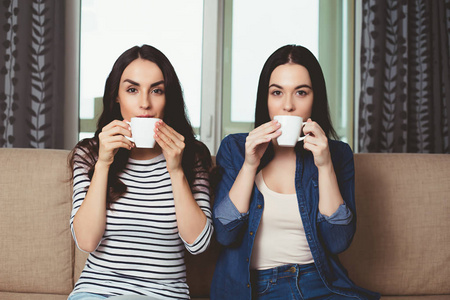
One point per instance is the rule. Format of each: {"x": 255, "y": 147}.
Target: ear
{"x": 117, "y": 100}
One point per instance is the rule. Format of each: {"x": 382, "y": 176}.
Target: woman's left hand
{"x": 172, "y": 145}
{"x": 317, "y": 143}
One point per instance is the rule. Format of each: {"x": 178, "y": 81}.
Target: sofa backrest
{"x": 36, "y": 247}
{"x": 402, "y": 241}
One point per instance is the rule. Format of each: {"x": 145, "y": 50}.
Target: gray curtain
{"x": 404, "y": 104}
{"x": 31, "y": 73}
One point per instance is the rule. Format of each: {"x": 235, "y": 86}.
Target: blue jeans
{"x": 86, "y": 296}
{"x": 90, "y": 296}
{"x": 296, "y": 282}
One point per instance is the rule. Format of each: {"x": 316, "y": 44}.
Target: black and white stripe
{"x": 141, "y": 251}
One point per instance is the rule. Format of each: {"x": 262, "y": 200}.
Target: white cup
{"x": 142, "y": 131}
{"x": 291, "y": 129}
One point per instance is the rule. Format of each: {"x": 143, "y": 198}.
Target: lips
{"x": 145, "y": 116}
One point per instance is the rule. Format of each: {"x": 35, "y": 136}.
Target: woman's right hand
{"x": 258, "y": 140}
{"x": 111, "y": 139}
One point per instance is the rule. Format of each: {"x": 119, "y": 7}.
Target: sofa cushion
{"x": 80, "y": 262}
{"x": 401, "y": 246}
{"x": 200, "y": 270}
{"x": 31, "y": 296}
{"x": 36, "y": 244}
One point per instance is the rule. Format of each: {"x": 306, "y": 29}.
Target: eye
{"x": 132, "y": 90}
{"x": 276, "y": 93}
{"x": 158, "y": 91}
{"x": 302, "y": 93}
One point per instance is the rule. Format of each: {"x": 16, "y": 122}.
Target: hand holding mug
{"x": 291, "y": 129}
{"x": 258, "y": 140}
{"x": 172, "y": 145}
{"x": 111, "y": 139}
{"x": 142, "y": 132}
{"x": 317, "y": 143}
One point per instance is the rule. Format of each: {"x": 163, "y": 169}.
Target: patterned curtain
{"x": 405, "y": 76}
{"x": 31, "y": 73}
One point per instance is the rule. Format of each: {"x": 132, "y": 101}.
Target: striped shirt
{"x": 141, "y": 252}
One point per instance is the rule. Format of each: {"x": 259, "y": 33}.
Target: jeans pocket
{"x": 262, "y": 287}
{"x": 311, "y": 286}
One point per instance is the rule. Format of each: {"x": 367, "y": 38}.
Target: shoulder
{"x": 86, "y": 144}
{"x": 232, "y": 148}
{"x": 339, "y": 148}
{"x": 85, "y": 150}
{"x": 200, "y": 149}
{"x": 234, "y": 141}
{"x": 341, "y": 153}
{"x": 202, "y": 155}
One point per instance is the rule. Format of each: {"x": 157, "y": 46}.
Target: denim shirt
{"x": 326, "y": 236}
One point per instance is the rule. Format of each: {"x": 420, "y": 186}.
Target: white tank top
{"x": 280, "y": 238}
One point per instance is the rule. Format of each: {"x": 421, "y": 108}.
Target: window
{"x": 218, "y": 48}
{"x": 336, "y": 57}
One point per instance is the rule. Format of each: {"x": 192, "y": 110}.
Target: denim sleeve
{"x": 342, "y": 216}
{"x": 228, "y": 222}
{"x": 338, "y": 231}
{"x": 228, "y": 214}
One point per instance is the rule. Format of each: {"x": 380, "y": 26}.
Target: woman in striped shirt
{"x": 136, "y": 210}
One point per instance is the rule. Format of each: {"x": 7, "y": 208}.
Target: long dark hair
{"x": 195, "y": 152}
{"x": 320, "y": 111}
{"x": 302, "y": 56}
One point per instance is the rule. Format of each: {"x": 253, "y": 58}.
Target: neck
{"x": 286, "y": 152}
{"x": 145, "y": 153}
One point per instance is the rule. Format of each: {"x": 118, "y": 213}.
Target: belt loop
{"x": 297, "y": 267}
{"x": 275, "y": 275}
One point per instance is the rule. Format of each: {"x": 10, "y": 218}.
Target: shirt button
{"x": 259, "y": 206}
{"x": 309, "y": 237}
{"x": 248, "y": 285}
{"x": 251, "y": 232}
{"x": 246, "y": 259}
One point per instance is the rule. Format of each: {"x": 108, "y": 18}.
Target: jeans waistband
{"x": 290, "y": 270}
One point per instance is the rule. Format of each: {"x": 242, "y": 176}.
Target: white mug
{"x": 142, "y": 131}
{"x": 291, "y": 129}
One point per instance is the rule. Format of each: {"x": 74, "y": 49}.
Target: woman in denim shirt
{"x": 284, "y": 213}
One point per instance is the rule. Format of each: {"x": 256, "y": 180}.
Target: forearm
{"x": 90, "y": 220}
{"x": 191, "y": 219}
{"x": 330, "y": 197}
{"x": 241, "y": 191}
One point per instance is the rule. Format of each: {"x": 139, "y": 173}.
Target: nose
{"x": 145, "y": 102}
{"x": 288, "y": 104}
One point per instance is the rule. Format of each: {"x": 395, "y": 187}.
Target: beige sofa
{"x": 401, "y": 248}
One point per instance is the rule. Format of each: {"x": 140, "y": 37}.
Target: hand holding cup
{"x": 142, "y": 132}
{"x": 291, "y": 130}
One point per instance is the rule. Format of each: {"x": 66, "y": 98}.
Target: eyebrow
{"x": 297, "y": 87}
{"x": 137, "y": 84}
